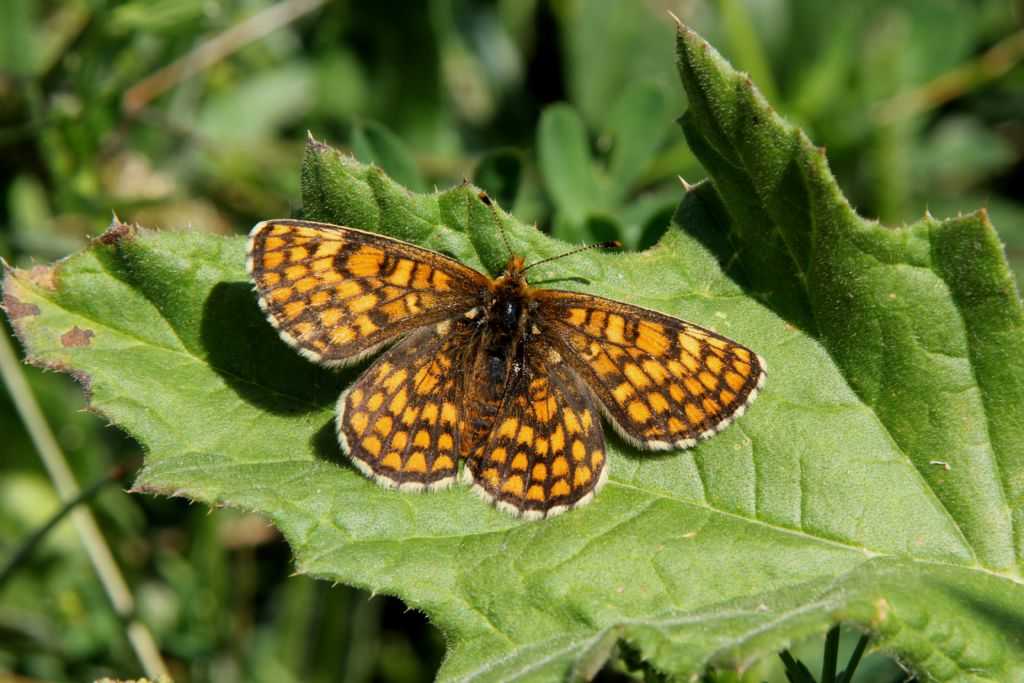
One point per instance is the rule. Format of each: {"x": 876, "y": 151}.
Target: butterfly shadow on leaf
{"x": 243, "y": 348}
{"x": 324, "y": 444}
{"x": 761, "y": 264}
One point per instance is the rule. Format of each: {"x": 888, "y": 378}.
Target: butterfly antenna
{"x": 494, "y": 211}
{"x": 611, "y": 244}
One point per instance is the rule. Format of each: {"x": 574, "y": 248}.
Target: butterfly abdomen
{"x": 501, "y": 329}
{"x": 485, "y": 386}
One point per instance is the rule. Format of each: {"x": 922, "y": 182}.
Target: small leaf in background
{"x": 566, "y": 164}
{"x": 500, "y": 173}
{"x": 341, "y": 86}
{"x": 636, "y": 125}
{"x": 374, "y": 144}
{"x": 248, "y": 112}
{"x": 960, "y": 151}
{"x": 608, "y": 46}
{"x": 156, "y": 15}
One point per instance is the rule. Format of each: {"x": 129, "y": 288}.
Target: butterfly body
{"x": 509, "y": 378}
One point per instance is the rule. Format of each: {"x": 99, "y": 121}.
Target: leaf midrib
{"x": 869, "y": 553}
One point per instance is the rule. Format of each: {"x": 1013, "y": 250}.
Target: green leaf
{"x": 563, "y": 154}
{"x": 888, "y": 351}
{"x": 249, "y": 112}
{"x": 373, "y": 143}
{"x": 636, "y": 125}
{"x": 17, "y": 54}
{"x": 608, "y": 45}
{"x": 500, "y": 174}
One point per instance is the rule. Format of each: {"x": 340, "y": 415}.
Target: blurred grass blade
{"x": 851, "y": 667}
{"x": 96, "y": 547}
{"x": 796, "y": 671}
{"x": 26, "y": 547}
{"x": 830, "y": 660}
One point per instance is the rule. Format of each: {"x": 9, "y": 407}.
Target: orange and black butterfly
{"x": 505, "y": 376}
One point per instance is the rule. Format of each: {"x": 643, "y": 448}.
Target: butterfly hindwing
{"x": 545, "y": 453}
{"x": 337, "y": 293}
{"x": 663, "y": 382}
{"x": 399, "y": 422}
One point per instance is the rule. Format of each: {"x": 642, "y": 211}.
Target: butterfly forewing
{"x": 663, "y": 382}
{"x": 338, "y": 293}
{"x": 545, "y": 453}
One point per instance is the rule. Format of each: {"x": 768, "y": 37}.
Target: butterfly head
{"x": 516, "y": 266}
{"x": 514, "y": 271}
{"x": 512, "y": 281}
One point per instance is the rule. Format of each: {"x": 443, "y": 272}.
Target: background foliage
{"x": 919, "y": 105}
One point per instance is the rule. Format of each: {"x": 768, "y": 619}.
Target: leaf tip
{"x": 315, "y": 146}
{"x": 116, "y": 232}
{"x": 689, "y": 41}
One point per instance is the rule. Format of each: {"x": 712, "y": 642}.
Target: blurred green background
{"x": 178, "y": 113}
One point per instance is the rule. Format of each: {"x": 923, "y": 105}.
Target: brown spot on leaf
{"x": 17, "y": 308}
{"x": 76, "y": 338}
{"x": 40, "y": 276}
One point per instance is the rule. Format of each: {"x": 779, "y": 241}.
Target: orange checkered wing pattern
{"x": 545, "y": 452}
{"x": 399, "y": 422}
{"x": 336, "y": 294}
{"x": 663, "y": 383}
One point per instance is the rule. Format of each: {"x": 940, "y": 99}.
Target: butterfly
{"x": 509, "y": 378}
